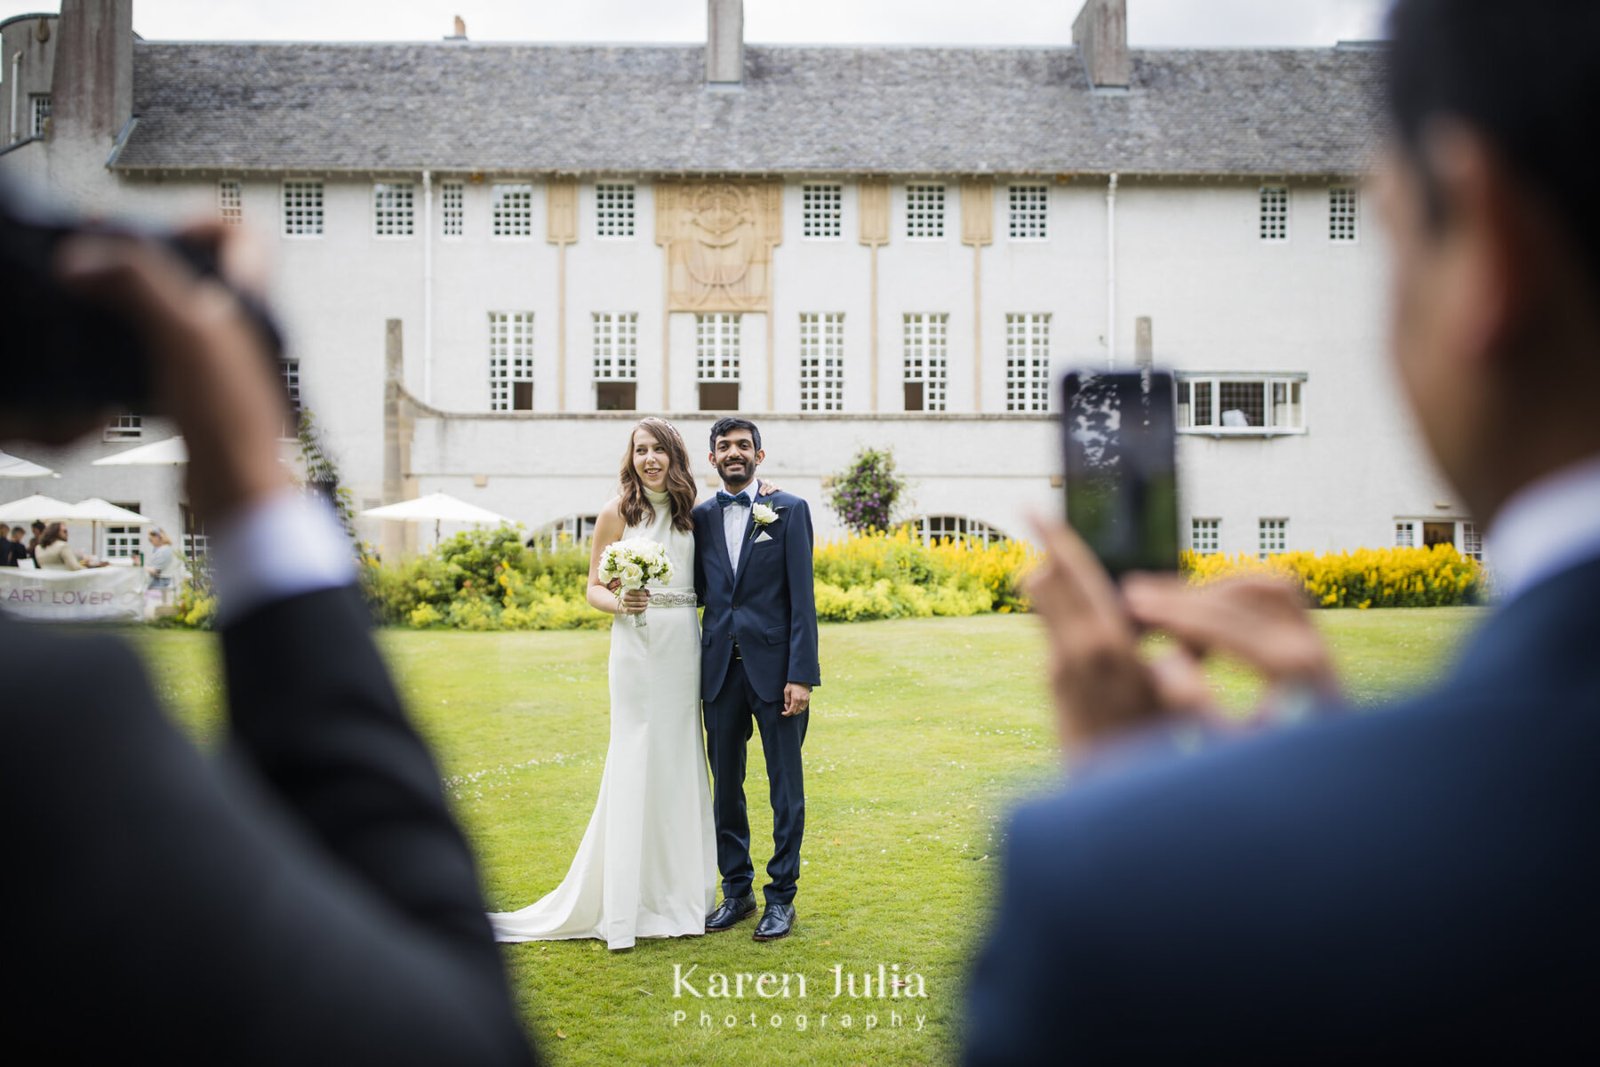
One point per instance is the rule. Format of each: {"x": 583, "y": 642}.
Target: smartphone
{"x": 1119, "y": 436}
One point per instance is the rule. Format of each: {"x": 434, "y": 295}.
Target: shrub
{"x": 878, "y": 575}
{"x": 864, "y": 494}
{"x": 1438, "y": 576}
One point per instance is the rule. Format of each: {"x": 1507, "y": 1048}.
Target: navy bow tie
{"x": 741, "y": 498}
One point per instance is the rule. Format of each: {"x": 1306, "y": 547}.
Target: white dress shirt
{"x": 1545, "y": 528}
{"x": 734, "y": 519}
{"x": 286, "y": 545}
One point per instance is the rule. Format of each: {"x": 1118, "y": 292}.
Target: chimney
{"x": 724, "y": 42}
{"x": 1101, "y": 35}
{"x": 91, "y": 94}
{"x": 461, "y": 30}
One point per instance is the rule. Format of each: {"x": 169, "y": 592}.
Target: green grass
{"x": 923, "y": 734}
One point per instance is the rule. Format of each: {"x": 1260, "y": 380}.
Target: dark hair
{"x": 1520, "y": 75}
{"x": 724, "y": 426}
{"x": 54, "y": 532}
{"x": 636, "y": 507}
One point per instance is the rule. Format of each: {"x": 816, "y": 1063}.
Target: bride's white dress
{"x": 647, "y": 866}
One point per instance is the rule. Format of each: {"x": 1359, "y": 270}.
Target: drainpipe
{"x": 1111, "y": 273}
{"x": 16, "y": 75}
{"x": 427, "y": 287}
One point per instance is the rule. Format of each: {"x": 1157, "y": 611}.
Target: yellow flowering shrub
{"x": 894, "y": 575}
{"x": 1437, "y": 576}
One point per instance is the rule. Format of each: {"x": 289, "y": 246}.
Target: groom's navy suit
{"x": 758, "y": 633}
{"x": 1384, "y": 886}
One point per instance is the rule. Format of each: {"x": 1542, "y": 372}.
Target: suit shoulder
{"x": 789, "y": 500}
{"x": 704, "y": 508}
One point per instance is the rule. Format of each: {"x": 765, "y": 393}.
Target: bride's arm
{"x": 607, "y": 531}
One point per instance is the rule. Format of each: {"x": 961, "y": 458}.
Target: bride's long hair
{"x": 636, "y": 509}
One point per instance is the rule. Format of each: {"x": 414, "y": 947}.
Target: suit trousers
{"x": 728, "y": 719}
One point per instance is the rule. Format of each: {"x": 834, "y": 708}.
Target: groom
{"x": 758, "y": 661}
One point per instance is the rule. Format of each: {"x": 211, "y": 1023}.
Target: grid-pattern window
{"x": 1405, "y": 534}
{"x": 1272, "y": 537}
{"x": 956, "y": 528}
{"x": 1274, "y": 213}
{"x": 302, "y": 209}
{"x": 230, "y": 202}
{"x": 822, "y": 361}
{"x": 1205, "y": 536}
{"x": 613, "y": 209}
{"x": 510, "y": 361}
{"x": 39, "y": 111}
{"x": 924, "y": 210}
{"x": 1471, "y": 541}
{"x": 122, "y": 542}
{"x": 716, "y": 346}
{"x": 1342, "y": 213}
{"x": 1030, "y": 212}
{"x": 616, "y": 346}
{"x": 394, "y": 209}
{"x": 289, "y": 373}
{"x": 513, "y": 210}
{"x": 125, "y": 427}
{"x": 453, "y": 208}
{"x": 926, "y": 360}
{"x": 822, "y": 209}
{"x": 1241, "y": 404}
{"x": 1028, "y": 362}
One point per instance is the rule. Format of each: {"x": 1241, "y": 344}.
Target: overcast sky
{"x": 1151, "y": 23}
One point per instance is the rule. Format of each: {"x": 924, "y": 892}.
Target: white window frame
{"x": 925, "y": 347}
{"x": 961, "y": 528}
{"x": 230, "y": 201}
{"x": 1466, "y": 537}
{"x": 452, "y": 210}
{"x": 822, "y": 361}
{"x": 303, "y": 204}
{"x": 123, "y": 541}
{"x": 616, "y": 211}
{"x": 394, "y": 211}
{"x": 1025, "y": 222}
{"x": 1028, "y": 361}
{"x": 1205, "y": 535}
{"x": 1272, "y": 224}
{"x": 1290, "y": 383}
{"x": 616, "y": 346}
{"x": 38, "y": 113}
{"x": 125, "y": 426}
{"x": 1272, "y": 537}
{"x": 510, "y": 356}
{"x": 289, "y": 374}
{"x": 1344, "y": 220}
{"x": 518, "y": 222}
{"x": 717, "y": 346}
{"x": 923, "y": 222}
{"x": 822, "y": 211}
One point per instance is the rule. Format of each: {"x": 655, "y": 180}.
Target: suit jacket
{"x": 304, "y": 898}
{"x": 1376, "y": 887}
{"x": 769, "y": 607}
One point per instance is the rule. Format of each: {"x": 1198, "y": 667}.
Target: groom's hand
{"x": 796, "y": 698}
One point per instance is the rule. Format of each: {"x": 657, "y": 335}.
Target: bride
{"x": 647, "y": 866}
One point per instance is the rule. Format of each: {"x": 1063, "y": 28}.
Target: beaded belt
{"x": 672, "y": 598}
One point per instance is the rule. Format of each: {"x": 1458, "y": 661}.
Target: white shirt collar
{"x": 1545, "y": 528}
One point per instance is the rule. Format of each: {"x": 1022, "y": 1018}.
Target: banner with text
{"x": 104, "y": 594}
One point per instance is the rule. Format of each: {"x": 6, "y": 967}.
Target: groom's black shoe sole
{"x": 731, "y": 912}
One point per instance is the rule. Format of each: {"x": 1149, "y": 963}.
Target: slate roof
{"x": 455, "y": 106}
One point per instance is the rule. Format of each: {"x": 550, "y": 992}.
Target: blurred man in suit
{"x": 306, "y": 898}
{"x": 1419, "y": 880}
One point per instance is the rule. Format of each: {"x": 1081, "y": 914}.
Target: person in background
{"x": 33, "y": 542}
{"x": 12, "y": 550}
{"x": 54, "y": 554}
{"x": 164, "y": 566}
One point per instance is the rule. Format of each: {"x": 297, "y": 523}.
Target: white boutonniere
{"x": 762, "y": 515}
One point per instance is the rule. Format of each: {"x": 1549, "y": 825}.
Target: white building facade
{"x": 493, "y": 258}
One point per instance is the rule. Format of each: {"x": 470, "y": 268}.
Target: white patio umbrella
{"x": 95, "y": 511}
{"x": 440, "y": 507}
{"x": 17, "y": 467}
{"x": 43, "y": 508}
{"x": 169, "y": 453}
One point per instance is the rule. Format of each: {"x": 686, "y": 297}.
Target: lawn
{"x": 922, "y": 735}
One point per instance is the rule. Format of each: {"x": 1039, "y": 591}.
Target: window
{"x": 40, "y": 112}
{"x": 1405, "y": 534}
{"x": 513, "y": 210}
{"x": 822, "y": 213}
{"x": 822, "y": 361}
{"x": 1030, "y": 212}
{"x": 1241, "y": 404}
{"x": 510, "y": 361}
{"x": 1341, "y": 213}
{"x": 1028, "y": 362}
{"x": 393, "y": 209}
{"x": 1471, "y": 541}
{"x": 1205, "y": 536}
{"x": 1274, "y": 213}
{"x": 925, "y": 361}
{"x": 289, "y": 372}
{"x": 123, "y": 542}
{"x": 1273, "y": 537}
{"x": 925, "y": 211}
{"x": 1425, "y": 533}
{"x": 125, "y": 427}
{"x": 302, "y": 209}
{"x": 195, "y": 541}
{"x": 452, "y": 202}
{"x": 572, "y": 530}
{"x": 230, "y": 202}
{"x": 616, "y": 360}
{"x": 613, "y": 209}
{"x": 956, "y": 528}
{"x": 716, "y": 343}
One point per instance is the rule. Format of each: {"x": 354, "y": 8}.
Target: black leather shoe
{"x": 775, "y": 922}
{"x": 730, "y": 911}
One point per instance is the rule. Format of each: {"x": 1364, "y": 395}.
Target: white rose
{"x": 763, "y": 515}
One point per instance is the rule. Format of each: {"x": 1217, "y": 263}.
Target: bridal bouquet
{"x": 634, "y": 562}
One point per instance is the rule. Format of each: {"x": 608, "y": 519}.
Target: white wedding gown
{"x": 647, "y": 866}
